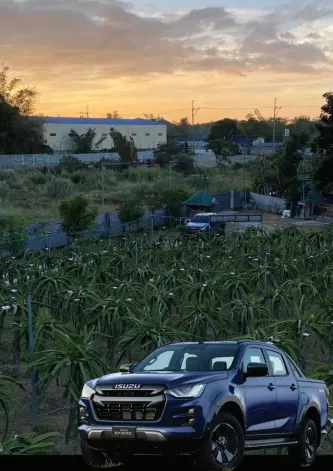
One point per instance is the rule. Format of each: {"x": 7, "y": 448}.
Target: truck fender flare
{"x": 217, "y": 405}
{"x": 305, "y": 409}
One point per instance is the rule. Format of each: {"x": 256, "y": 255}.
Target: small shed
{"x": 200, "y": 202}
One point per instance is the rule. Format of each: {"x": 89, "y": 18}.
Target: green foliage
{"x": 29, "y": 444}
{"x": 4, "y": 190}
{"x": 23, "y": 99}
{"x": 225, "y": 129}
{"x": 130, "y": 211}
{"x": 6, "y": 399}
{"x": 71, "y": 163}
{"x": 76, "y": 214}
{"x": 323, "y": 145}
{"x": 166, "y": 153}
{"x": 57, "y": 187}
{"x": 13, "y": 236}
{"x": 124, "y": 146}
{"x": 19, "y": 134}
{"x": 84, "y": 143}
{"x": 172, "y": 199}
{"x": 222, "y": 149}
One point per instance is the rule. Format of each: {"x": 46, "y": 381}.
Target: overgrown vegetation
{"x": 35, "y": 194}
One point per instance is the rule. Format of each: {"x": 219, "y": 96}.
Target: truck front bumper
{"x": 152, "y": 440}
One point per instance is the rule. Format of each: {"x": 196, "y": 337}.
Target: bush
{"x": 130, "y": 211}
{"x": 70, "y": 163}
{"x": 13, "y": 236}
{"x": 58, "y": 187}
{"x": 76, "y": 214}
{"x": 38, "y": 179}
{"x": 172, "y": 200}
{"x": 77, "y": 178}
{"x": 4, "y": 190}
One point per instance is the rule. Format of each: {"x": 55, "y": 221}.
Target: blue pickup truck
{"x": 210, "y": 400}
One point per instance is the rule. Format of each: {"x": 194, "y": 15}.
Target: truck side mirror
{"x": 126, "y": 368}
{"x": 254, "y": 370}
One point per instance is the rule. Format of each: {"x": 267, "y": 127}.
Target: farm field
{"x": 34, "y": 194}
{"x": 98, "y": 305}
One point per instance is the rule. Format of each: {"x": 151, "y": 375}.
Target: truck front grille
{"x": 113, "y": 404}
{"x": 128, "y": 411}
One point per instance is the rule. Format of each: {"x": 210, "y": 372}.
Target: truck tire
{"x": 224, "y": 447}
{"x": 304, "y": 453}
{"x": 93, "y": 458}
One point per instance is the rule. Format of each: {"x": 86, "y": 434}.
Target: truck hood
{"x": 197, "y": 225}
{"x": 170, "y": 380}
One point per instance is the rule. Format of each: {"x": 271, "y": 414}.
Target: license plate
{"x": 123, "y": 432}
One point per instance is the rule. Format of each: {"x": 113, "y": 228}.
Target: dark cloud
{"x": 108, "y": 39}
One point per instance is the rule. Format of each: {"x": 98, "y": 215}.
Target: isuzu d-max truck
{"x": 210, "y": 400}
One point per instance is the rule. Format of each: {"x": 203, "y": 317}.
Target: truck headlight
{"x": 187, "y": 391}
{"x": 87, "y": 392}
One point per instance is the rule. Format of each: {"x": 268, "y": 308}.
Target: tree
{"x": 18, "y": 133}
{"x": 24, "y": 98}
{"x": 152, "y": 117}
{"x": 165, "y": 153}
{"x": 184, "y": 128}
{"x": 222, "y": 149}
{"x": 323, "y": 146}
{"x": 130, "y": 211}
{"x": 76, "y": 214}
{"x": 287, "y": 165}
{"x": 84, "y": 143}
{"x": 124, "y": 146}
{"x": 113, "y": 115}
{"x": 225, "y": 129}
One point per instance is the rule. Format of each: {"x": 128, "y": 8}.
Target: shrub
{"x": 77, "y": 178}
{"x": 76, "y": 214}
{"x": 130, "y": 211}
{"x": 4, "y": 190}
{"x": 38, "y": 179}
{"x": 172, "y": 200}
{"x": 70, "y": 163}
{"x": 58, "y": 187}
{"x": 13, "y": 237}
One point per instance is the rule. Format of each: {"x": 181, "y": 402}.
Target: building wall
{"x": 144, "y": 136}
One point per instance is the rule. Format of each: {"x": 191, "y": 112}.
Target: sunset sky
{"x": 231, "y": 56}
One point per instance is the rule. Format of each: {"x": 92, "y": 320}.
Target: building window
{"x": 147, "y": 133}
{"x": 160, "y": 134}
{"x": 53, "y": 134}
{"x": 133, "y": 133}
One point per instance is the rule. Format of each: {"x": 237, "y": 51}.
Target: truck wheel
{"x": 224, "y": 447}
{"x": 304, "y": 453}
{"x": 94, "y": 458}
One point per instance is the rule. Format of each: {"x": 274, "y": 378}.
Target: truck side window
{"x": 253, "y": 355}
{"x": 277, "y": 362}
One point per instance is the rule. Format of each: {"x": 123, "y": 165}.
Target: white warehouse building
{"x": 146, "y": 134}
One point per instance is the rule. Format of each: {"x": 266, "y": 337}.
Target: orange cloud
{"x": 102, "y": 53}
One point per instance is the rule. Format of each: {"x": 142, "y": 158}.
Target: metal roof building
{"x": 146, "y": 134}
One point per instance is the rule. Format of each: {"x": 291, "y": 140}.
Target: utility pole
{"x": 276, "y": 110}
{"x": 194, "y": 112}
{"x": 86, "y": 113}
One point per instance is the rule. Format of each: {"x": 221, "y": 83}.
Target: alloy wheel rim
{"x": 224, "y": 443}
{"x": 310, "y": 443}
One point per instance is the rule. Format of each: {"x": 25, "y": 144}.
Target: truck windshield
{"x": 200, "y": 219}
{"x": 189, "y": 357}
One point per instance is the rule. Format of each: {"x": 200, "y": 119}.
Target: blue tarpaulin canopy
{"x": 199, "y": 199}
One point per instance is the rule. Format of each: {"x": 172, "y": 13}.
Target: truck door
{"x": 260, "y": 397}
{"x": 287, "y": 392}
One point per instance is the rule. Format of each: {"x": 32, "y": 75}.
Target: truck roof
{"x": 229, "y": 342}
